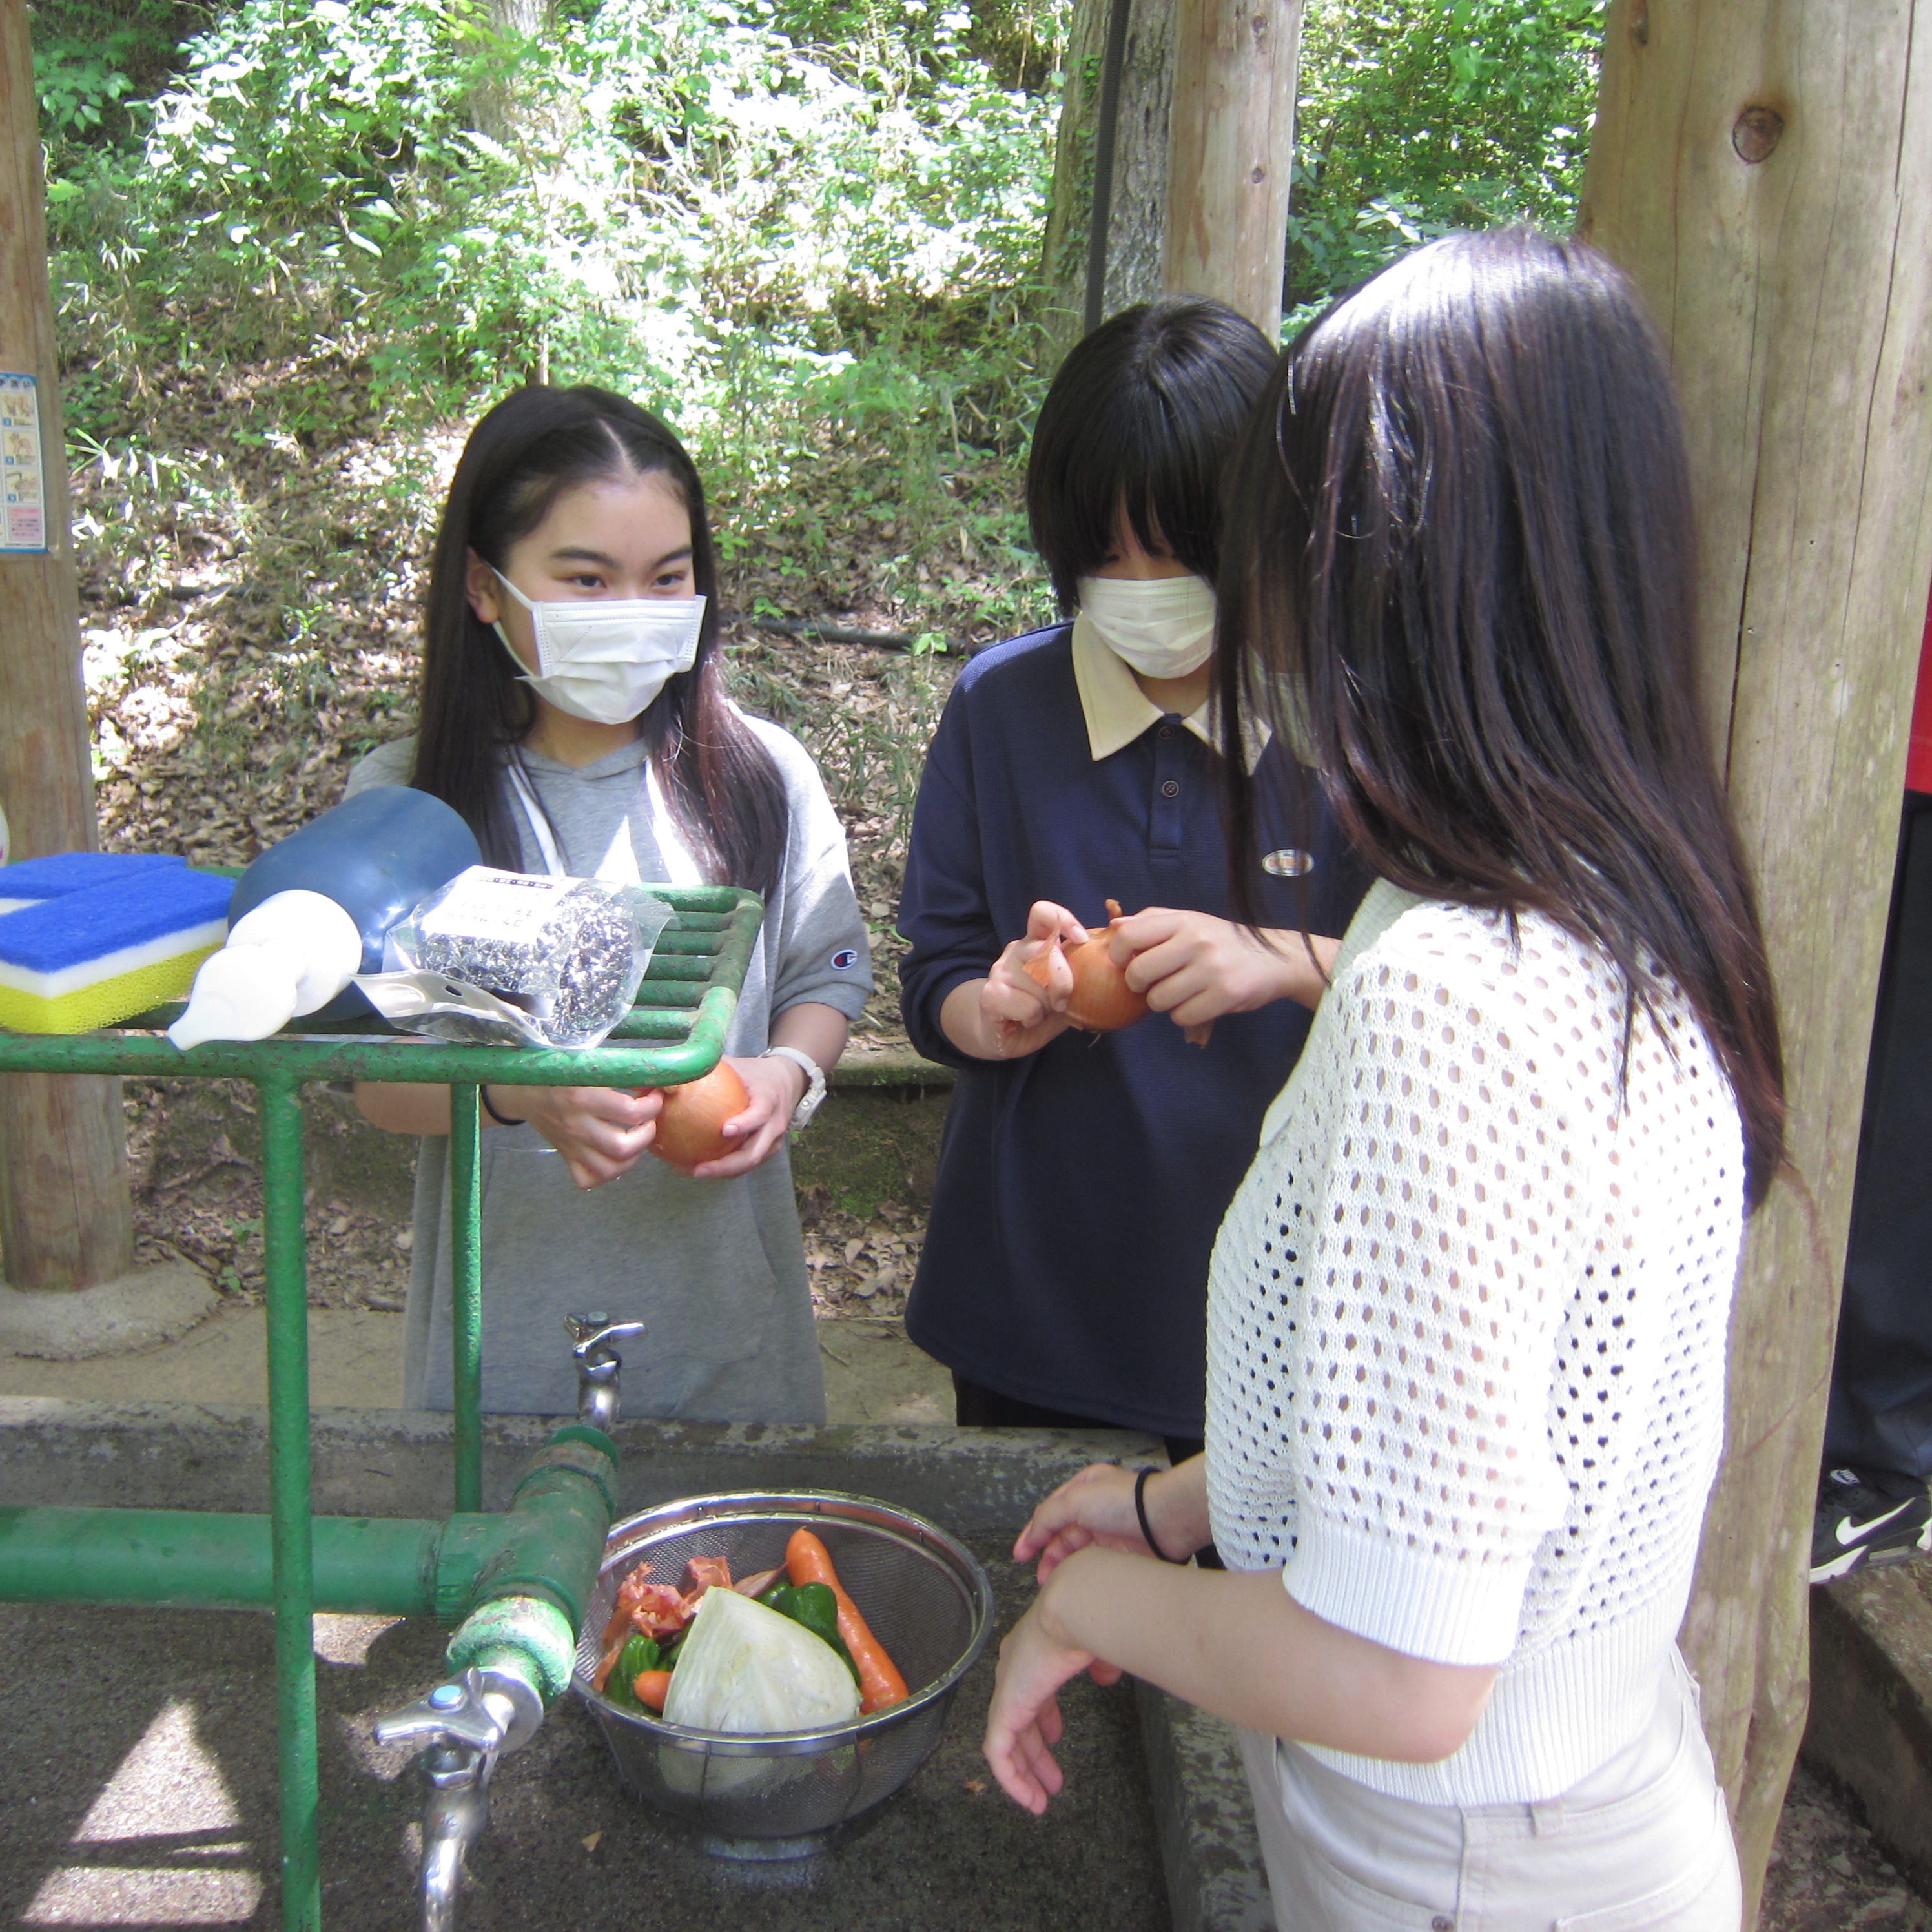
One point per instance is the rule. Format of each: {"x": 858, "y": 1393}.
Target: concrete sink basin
{"x": 137, "y": 1786}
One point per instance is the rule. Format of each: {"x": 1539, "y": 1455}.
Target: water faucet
{"x": 465, "y": 1725}
{"x": 592, "y": 1339}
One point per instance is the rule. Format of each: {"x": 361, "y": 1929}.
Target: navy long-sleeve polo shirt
{"x": 1080, "y": 1188}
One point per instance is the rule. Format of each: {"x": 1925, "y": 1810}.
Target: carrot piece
{"x": 652, "y": 1687}
{"x": 807, "y": 1561}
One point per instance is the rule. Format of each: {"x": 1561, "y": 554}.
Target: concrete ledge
{"x": 1210, "y": 1851}
{"x": 891, "y": 1066}
{"x": 151, "y": 1305}
{"x": 398, "y": 1462}
{"x": 1870, "y": 1722}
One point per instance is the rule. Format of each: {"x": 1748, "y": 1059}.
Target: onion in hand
{"x": 689, "y": 1130}
{"x": 1102, "y": 1000}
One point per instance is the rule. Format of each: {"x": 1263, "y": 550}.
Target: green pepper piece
{"x": 639, "y": 1653}
{"x": 813, "y": 1605}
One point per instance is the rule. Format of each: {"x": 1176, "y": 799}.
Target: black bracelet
{"x": 501, "y": 1120}
{"x": 1140, "y": 1509}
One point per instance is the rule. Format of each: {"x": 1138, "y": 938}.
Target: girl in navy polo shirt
{"x": 1083, "y": 1176}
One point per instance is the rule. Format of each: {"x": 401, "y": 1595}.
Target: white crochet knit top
{"x": 1466, "y": 1331}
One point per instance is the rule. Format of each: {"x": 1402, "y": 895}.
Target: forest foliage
{"x": 297, "y": 243}
{"x": 781, "y": 215}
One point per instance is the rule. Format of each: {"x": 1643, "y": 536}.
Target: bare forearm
{"x": 1306, "y": 961}
{"x": 964, "y": 1022}
{"x": 1239, "y": 1645}
{"x": 401, "y": 1107}
{"x": 814, "y": 1029}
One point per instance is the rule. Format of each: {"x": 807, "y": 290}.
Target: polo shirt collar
{"x": 1118, "y": 711}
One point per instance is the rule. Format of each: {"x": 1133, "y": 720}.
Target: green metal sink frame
{"x": 537, "y": 1551}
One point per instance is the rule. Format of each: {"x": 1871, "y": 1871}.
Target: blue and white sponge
{"x": 33, "y": 881}
{"x": 74, "y": 960}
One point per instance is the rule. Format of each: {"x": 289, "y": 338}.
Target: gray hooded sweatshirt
{"x": 715, "y": 1269}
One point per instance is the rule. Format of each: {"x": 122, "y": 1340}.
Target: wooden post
{"x": 1763, "y": 168}
{"x": 65, "y": 1219}
{"x": 1231, "y": 144}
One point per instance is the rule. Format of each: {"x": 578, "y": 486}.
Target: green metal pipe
{"x": 547, "y": 1545}
{"x": 466, "y": 1275}
{"x": 692, "y": 1046}
{"x": 287, "y": 1286}
{"x": 205, "y": 1559}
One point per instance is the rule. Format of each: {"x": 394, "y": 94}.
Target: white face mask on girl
{"x": 605, "y": 659}
{"x": 1160, "y": 626}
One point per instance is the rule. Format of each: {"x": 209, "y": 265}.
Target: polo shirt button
{"x": 1442, "y": 1922}
{"x": 1167, "y": 731}
{"x": 1171, "y": 789}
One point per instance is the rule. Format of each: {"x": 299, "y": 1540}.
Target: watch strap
{"x": 814, "y": 1081}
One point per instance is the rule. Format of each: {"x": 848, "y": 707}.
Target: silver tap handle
{"x": 456, "y": 1722}
{"x": 593, "y": 1337}
{"x": 488, "y": 1711}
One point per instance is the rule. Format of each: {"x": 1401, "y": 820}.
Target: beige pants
{"x": 1642, "y": 1845}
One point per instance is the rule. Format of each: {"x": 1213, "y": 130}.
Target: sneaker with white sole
{"x": 1863, "y": 1521}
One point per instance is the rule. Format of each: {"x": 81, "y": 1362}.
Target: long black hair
{"x": 1141, "y": 418}
{"x": 1461, "y": 556}
{"x": 720, "y": 783}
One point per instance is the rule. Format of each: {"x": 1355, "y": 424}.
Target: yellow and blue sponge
{"x": 75, "y": 956}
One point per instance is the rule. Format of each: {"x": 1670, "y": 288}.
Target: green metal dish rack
{"x": 676, "y": 1032}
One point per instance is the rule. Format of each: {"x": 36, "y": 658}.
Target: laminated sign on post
{"x": 23, "y": 516}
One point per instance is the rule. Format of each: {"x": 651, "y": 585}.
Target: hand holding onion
{"x": 1008, "y": 1014}
{"x": 691, "y": 1129}
{"x": 1194, "y": 967}
{"x": 728, "y": 1122}
{"x": 1100, "y": 997}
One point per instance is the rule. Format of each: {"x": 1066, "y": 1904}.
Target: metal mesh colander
{"x": 927, "y": 1600}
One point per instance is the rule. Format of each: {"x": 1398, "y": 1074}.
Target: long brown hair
{"x": 720, "y": 783}
{"x": 1460, "y": 556}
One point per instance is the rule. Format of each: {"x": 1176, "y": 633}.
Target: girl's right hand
{"x": 1020, "y": 1015}
{"x": 601, "y": 1132}
{"x": 1097, "y": 1506}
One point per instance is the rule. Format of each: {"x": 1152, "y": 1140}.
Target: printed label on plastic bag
{"x": 483, "y": 903}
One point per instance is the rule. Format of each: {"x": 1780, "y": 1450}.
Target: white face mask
{"x": 1161, "y": 626}
{"x": 606, "y": 659}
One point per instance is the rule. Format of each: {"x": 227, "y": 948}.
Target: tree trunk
{"x": 1231, "y": 144}
{"x": 1763, "y": 169}
{"x": 65, "y": 1218}
{"x": 496, "y": 106}
{"x": 1138, "y": 202}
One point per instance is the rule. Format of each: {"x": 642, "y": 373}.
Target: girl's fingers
{"x": 1050, "y": 1726}
{"x": 1045, "y": 920}
{"x": 1026, "y": 1770}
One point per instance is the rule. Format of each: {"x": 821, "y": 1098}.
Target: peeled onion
{"x": 1102, "y": 1001}
{"x": 688, "y": 1128}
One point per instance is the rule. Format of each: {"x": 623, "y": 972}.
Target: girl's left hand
{"x": 1195, "y": 968}
{"x": 1024, "y": 1723}
{"x": 776, "y": 1086}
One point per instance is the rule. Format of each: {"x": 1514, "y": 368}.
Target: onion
{"x": 1102, "y": 1000}
{"x": 687, "y": 1129}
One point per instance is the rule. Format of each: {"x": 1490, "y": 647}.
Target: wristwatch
{"x": 814, "y": 1081}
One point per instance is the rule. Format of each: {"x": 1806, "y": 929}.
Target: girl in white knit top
{"x": 1468, "y": 1312}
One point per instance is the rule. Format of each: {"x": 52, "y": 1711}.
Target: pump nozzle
{"x": 293, "y": 953}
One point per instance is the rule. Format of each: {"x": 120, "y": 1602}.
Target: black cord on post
{"x": 1106, "y": 120}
